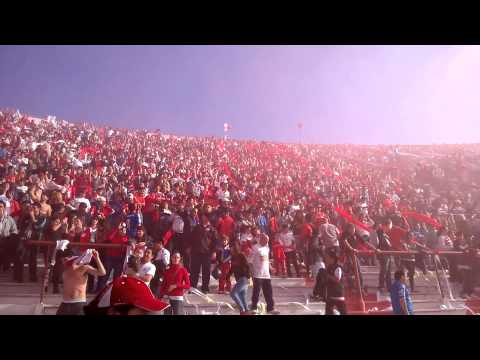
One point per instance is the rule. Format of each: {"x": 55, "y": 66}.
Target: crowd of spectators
{"x": 199, "y": 197}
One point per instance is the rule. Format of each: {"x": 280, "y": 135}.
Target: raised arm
{"x": 100, "y": 270}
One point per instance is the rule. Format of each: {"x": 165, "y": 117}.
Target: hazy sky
{"x": 342, "y": 94}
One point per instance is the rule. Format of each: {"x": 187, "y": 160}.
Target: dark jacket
{"x": 334, "y": 287}
{"x": 240, "y": 267}
{"x": 204, "y": 239}
{"x": 384, "y": 242}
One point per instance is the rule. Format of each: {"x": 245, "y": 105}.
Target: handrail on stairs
{"x": 369, "y": 253}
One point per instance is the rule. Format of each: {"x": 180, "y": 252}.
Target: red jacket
{"x": 272, "y": 223}
{"x": 175, "y": 275}
{"x": 306, "y": 232}
{"x": 226, "y": 226}
{"x": 151, "y": 198}
{"x": 115, "y": 238}
{"x": 106, "y": 211}
{"x": 139, "y": 199}
{"x": 83, "y": 238}
{"x": 397, "y": 236}
{"x": 278, "y": 251}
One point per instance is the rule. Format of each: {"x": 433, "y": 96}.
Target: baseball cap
{"x": 126, "y": 290}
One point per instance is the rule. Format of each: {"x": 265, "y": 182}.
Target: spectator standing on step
{"x": 287, "y": 240}
{"x": 261, "y": 275}
{"x": 161, "y": 262}
{"x": 204, "y": 243}
{"x": 335, "y": 294}
{"x": 8, "y": 227}
{"x": 241, "y": 271}
{"x": 384, "y": 244}
{"x": 176, "y": 281}
{"x": 400, "y": 296}
{"x": 147, "y": 269}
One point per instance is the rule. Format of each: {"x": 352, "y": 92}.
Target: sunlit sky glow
{"x": 342, "y": 94}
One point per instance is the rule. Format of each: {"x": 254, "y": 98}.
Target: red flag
{"x": 351, "y": 219}
{"x": 166, "y": 238}
{"x": 422, "y": 218}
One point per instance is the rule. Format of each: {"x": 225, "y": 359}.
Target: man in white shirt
{"x": 223, "y": 194}
{"x": 161, "y": 262}
{"x": 147, "y": 269}
{"x": 81, "y": 199}
{"x": 329, "y": 234}
{"x": 261, "y": 275}
{"x": 3, "y": 196}
{"x": 287, "y": 240}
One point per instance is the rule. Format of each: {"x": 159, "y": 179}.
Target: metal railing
{"x": 438, "y": 268}
{"x": 353, "y": 256}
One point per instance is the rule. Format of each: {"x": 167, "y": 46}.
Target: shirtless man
{"x": 45, "y": 209}
{"x": 75, "y": 278}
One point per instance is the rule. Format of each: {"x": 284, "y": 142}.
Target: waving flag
{"x": 351, "y": 219}
{"x": 422, "y": 218}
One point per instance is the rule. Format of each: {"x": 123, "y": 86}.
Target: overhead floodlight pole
{"x": 300, "y": 127}
{"x": 226, "y": 128}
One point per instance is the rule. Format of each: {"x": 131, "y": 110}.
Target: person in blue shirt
{"x": 400, "y": 296}
{"x": 134, "y": 220}
{"x": 262, "y": 221}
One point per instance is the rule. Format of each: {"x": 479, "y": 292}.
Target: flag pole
{"x": 300, "y": 127}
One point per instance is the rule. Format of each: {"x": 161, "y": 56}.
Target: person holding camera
{"x": 146, "y": 270}
{"x": 161, "y": 262}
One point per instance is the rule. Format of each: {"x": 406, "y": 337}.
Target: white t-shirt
{"x": 7, "y": 203}
{"x": 245, "y": 237}
{"x": 223, "y": 195}
{"x": 147, "y": 269}
{"x": 163, "y": 256}
{"x": 261, "y": 267}
{"x": 77, "y": 201}
{"x": 287, "y": 240}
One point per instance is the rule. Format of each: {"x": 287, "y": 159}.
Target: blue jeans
{"x": 239, "y": 293}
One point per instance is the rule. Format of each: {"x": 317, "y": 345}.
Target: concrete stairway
{"x": 291, "y": 297}
{"x": 426, "y": 297}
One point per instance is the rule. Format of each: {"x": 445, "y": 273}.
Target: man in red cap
{"x": 125, "y": 296}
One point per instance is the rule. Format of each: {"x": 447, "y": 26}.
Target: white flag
{"x": 17, "y": 115}
{"x": 62, "y": 244}
{"x": 85, "y": 258}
